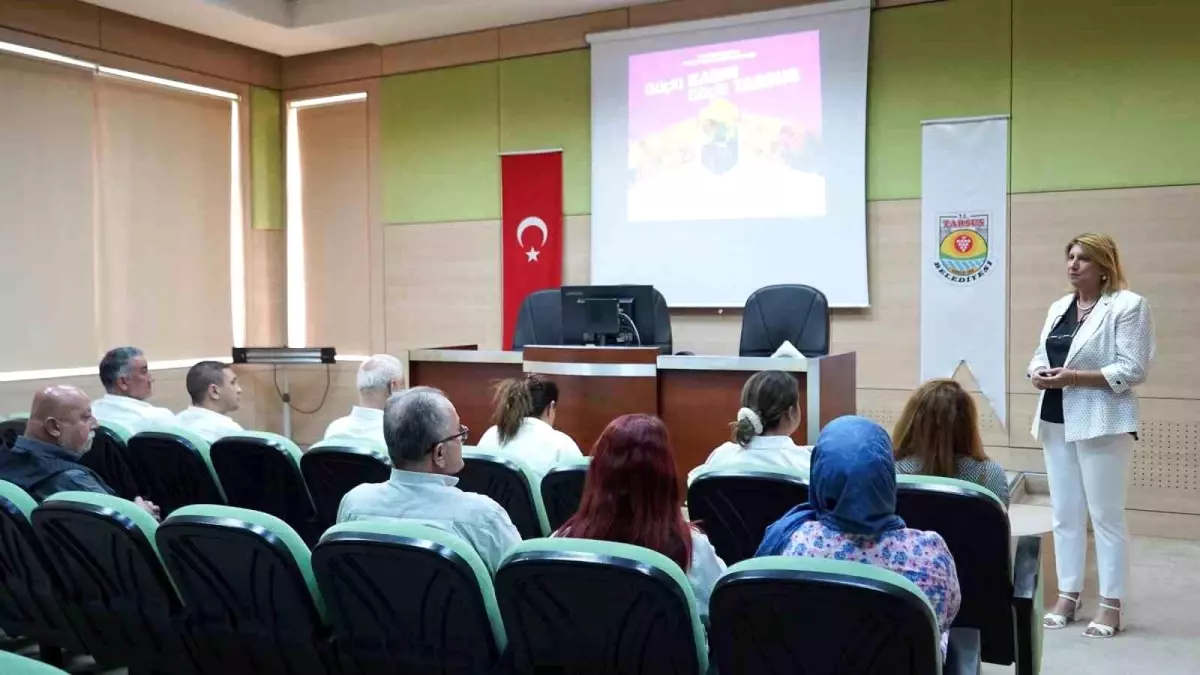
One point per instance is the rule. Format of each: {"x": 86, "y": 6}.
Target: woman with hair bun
{"x": 762, "y": 432}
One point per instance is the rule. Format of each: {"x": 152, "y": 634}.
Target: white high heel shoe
{"x": 1099, "y": 630}
{"x": 1055, "y": 621}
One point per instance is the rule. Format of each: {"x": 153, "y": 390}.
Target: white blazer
{"x": 1117, "y": 340}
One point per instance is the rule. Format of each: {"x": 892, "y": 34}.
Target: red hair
{"x": 632, "y": 493}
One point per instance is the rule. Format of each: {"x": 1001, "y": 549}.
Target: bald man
{"x": 378, "y": 378}
{"x": 59, "y": 432}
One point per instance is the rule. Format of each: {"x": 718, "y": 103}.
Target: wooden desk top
{"x": 749, "y": 364}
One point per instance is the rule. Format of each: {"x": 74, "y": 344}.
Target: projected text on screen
{"x": 731, "y": 130}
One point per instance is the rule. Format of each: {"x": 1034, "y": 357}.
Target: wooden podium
{"x": 696, "y": 396}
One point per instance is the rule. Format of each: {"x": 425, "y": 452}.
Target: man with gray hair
{"x": 126, "y": 377}
{"x": 378, "y": 378}
{"x": 425, "y": 439}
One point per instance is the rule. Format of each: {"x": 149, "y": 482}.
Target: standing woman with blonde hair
{"x": 1095, "y": 346}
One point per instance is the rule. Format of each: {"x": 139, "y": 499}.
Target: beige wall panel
{"x": 338, "y": 65}
{"x": 266, "y": 287}
{"x": 442, "y": 285}
{"x": 170, "y": 390}
{"x": 688, "y": 10}
{"x": 1156, "y": 230}
{"x": 307, "y": 387}
{"x": 577, "y": 246}
{"x": 707, "y": 331}
{"x": 68, "y": 20}
{"x": 886, "y": 335}
{"x": 442, "y": 52}
{"x": 164, "y": 248}
{"x": 558, "y": 35}
{"x": 48, "y": 118}
{"x": 334, "y": 161}
{"x": 133, "y": 36}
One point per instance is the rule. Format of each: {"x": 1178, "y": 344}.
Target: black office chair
{"x": 109, "y": 459}
{"x": 787, "y": 312}
{"x": 736, "y": 507}
{"x": 539, "y": 321}
{"x": 562, "y": 491}
{"x": 331, "y": 470}
{"x": 662, "y": 326}
{"x": 999, "y": 595}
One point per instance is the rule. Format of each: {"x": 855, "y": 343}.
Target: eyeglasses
{"x": 463, "y": 431}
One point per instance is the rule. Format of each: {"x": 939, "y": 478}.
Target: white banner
{"x": 964, "y": 252}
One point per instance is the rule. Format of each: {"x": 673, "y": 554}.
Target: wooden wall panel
{"x": 266, "y": 288}
{"x": 338, "y": 65}
{"x": 558, "y": 35}
{"x": 442, "y": 285}
{"x": 443, "y": 52}
{"x": 67, "y": 20}
{"x": 577, "y": 246}
{"x": 133, "y": 36}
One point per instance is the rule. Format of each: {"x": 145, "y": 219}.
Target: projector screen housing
{"x": 730, "y": 154}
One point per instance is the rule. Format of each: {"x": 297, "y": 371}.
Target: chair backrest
{"x": 331, "y": 470}
{"x": 539, "y": 321}
{"x": 570, "y": 604}
{"x": 562, "y": 490}
{"x": 251, "y": 599}
{"x": 821, "y": 617}
{"x": 109, "y": 459}
{"x": 974, "y": 523}
{"x": 118, "y": 595}
{"x": 30, "y": 592}
{"x": 10, "y": 429}
{"x": 15, "y": 664}
{"x": 662, "y": 326}
{"x": 260, "y": 471}
{"x": 404, "y": 597}
{"x": 787, "y": 312}
{"x": 173, "y": 468}
{"x": 512, "y": 485}
{"x": 736, "y": 507}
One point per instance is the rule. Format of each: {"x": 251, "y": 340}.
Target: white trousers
{"x": 1089, "y": 477}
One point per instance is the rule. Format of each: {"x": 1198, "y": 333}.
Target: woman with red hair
{"x": 632, "y": 496}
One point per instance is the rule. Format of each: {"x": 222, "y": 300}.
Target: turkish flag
{"x": 532, "y": 230}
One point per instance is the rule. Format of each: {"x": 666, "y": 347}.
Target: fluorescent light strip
{"x": 237, "y": 244}
{"x": 297, "y": 308}
{"x": 44, "y": 55}
{"x": 173, "y": 84}
{"x": 56, "y": 373}
{"x": 328, "y": 100}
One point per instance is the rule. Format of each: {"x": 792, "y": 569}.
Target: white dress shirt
{"x": 1117, "y": 339}
{"x": 763, "y": 452}
{"x": 432, "y": 499}
{"x": 207, "y": 424}
{"x": 538, "y": 445}
{"x": 705, "y": 569}
{"x": 129, "y": 412}
{"x": 362, "y": 424}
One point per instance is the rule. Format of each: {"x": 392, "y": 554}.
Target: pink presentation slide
{"x": 727, "y": 130}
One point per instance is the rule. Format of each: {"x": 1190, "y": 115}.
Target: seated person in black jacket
{"x": 45, "y": 460}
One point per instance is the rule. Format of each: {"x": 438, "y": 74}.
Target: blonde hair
{"x": 1101, "y": 249}
{"x": 938, "y": 424}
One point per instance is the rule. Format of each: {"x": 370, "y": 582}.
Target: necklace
{"x": 1088, "y": 308}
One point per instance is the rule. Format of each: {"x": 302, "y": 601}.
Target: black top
{"x": 1058, "y": 345}
{"x": 42, "y": 469}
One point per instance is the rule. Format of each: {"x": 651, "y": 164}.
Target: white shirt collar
{"x": 422, "y": 478}
{"x": 538, "y": 423}
{"x": 197, "y": 411}
{"x": 366, "y": 414}
{"x": 126, "y": 401}
{"x": 770, "y": 442}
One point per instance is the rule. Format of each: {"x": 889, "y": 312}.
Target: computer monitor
{"x": 608, "y": 316}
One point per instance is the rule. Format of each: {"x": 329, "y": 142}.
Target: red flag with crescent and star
{"x": 532, "y": 229}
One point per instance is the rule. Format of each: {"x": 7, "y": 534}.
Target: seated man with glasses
{"x": 425, "y": 440}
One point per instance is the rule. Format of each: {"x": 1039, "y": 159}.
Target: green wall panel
{"x": 266, "y": 159}
{"x": 546, "y": 102}
{"x": 944, "y": 59}
{"x": 440, "y": 132}
{"x": 1106, "y": 93}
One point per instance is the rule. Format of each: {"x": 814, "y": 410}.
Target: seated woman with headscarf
{"x": 851, "y": 515}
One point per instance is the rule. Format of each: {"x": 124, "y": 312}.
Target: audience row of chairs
{"x": 217, "y": 589}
